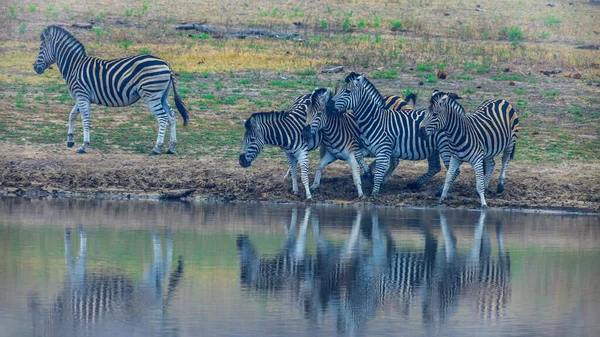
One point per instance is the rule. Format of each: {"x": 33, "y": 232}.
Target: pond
{"x": 149, "y": 268}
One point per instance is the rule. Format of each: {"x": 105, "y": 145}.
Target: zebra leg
{"x": 162, "y": 119}
{"x": 172, "y": 133}
{"x": 303, "y": 162}
{"x": 72, "y": 117}
{"x": 383, "y": 158}
{"x": 84, "y": 108}
{"x": 355, "y": 174}
{"x": 393, "y": 165}
{"x": 480, "y": 180}
{"x": 326, "y": 159}
{"x": 450, "y": 175}
{"x": 434, "y": 166}
{"x": 488, "y": 167}
{"x": 446, "y": 157}
{"x": 291, "y": 159}
{"x": 505, "y": 159}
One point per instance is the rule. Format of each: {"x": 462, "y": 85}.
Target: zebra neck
{"x": 67, "y": 57}
{"x": 368, "y": 111}
{"x": 457, "y": 130}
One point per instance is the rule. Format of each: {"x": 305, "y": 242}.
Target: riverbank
{"x": 51, "y": 171}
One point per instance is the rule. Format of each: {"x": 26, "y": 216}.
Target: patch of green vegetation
{"x": 361, "y": 24}
{"x": 522, "y": 103}
{"x": 283, "y": 84}
{"x": 32, "y": 8}
{"x": 519, "y": 91}
{"x": 552, "y": 20}
{"x": 431, "y": 78}
{"x": 511, "y": 33}
{"x": 125, "y": 43}
{"x": 545, "y": 35}
{"x": 468, "y": 91}
{"x": 324, "y": 25}
{"x": 424, "y": 67}
{"x": 463, "y": 77}
{"x": 22, "y": 28}
{"x": 145, "y": 51}
{"x": 480, "y": 68}
{"x": 306, "y": 72}
{"x": 507, "y": 77}
{"x": 12, "y": 12}
{"x": 396, "y": 25}
{"x": 551, "y": 94}
{"x": 389, "y": 74}
{"x": 376, "y": 22}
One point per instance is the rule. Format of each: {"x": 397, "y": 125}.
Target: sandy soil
{"x": 41, "y": 171}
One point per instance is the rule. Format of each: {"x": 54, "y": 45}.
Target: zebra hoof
{"x": 155, "y": 153}
{"x": 171, "y": 151}
{"x": 500, "y": 190}
{"x": 81, "y": 150}
{"x": 70, "y": 143}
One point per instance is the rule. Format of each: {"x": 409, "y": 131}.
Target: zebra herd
{"x": 370, "y": 273}
{"x": 357, "y": 122}
{"x": 350, "y": 124}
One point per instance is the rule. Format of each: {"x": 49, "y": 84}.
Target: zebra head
{"x": 253, "y": 142}
{"x": 354, "y": 92}
{"x": 46, "y": 56}
{"x": 314, "y": 120}
{"x": 436, "y": 116}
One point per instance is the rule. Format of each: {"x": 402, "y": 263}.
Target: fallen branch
{"x": 338, "y": 69}
{"x": 240, "y": 34}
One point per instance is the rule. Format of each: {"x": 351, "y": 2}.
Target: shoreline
{"x": 172, "y": 197}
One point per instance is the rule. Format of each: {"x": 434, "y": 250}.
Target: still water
{"x": 147, "y": 268}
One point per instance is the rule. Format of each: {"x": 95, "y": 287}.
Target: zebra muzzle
{"x": 243, "y": 161}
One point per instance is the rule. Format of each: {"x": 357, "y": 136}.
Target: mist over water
{"x": 148, "y": 268}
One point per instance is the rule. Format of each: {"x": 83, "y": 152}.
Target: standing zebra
{"x": 476, "y": 138}
{"x": 283, "y": 129}
{"x": 339, "y": 139}
{"x": 114, "y": 83}
{"x": 389, "y": 134}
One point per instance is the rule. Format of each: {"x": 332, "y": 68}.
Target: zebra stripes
{"x": 113, "y": 83}
{"x": 389, "y": 134}
{"x": 283, "y": 129}
{"x": 476, "y": 138}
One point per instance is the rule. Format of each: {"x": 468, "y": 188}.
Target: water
{"x": 146, "y": 268}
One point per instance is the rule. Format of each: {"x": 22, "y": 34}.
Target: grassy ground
{"x": 498, "y": 49}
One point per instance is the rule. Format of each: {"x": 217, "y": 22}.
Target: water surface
{"x": 147, "y": 268}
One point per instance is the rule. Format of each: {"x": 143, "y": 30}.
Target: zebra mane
{"x": 452, "y": 100}
{"x": 57, "y": 30}
{"x": 351, "y": 77}
{"x": 373, "y": 93}
{"x": 265, "y": 116}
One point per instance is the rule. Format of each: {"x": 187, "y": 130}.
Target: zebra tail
{"x": 179, "y": 103}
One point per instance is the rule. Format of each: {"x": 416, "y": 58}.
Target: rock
{"x": 421, "y": 83}
{"x": 511, "y": 83}
{"x": 551, "y": 4}
{"x": 337, "y": 69}
{"x": 441, "y": 74}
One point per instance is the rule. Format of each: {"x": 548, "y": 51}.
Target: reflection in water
{"x": 368, "y": 272}
{"x": 104, "y": 299}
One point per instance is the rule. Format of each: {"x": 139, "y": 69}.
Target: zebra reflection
{"x": 109, "y": 302}
{"x": 369, "y": 273}
{"x": 477, "y": 276}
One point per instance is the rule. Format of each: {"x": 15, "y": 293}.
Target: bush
{"x": 511, "y": 33}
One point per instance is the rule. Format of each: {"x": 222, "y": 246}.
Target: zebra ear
{"x": 435, "y": 91}
{"x": 443, "y": 100}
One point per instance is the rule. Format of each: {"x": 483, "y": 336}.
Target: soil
{"x": 49, "y": 171}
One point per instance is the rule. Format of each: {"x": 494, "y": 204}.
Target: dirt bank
{"x": 60, "y": 172}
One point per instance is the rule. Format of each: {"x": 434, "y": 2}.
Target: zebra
{"x": 283, "y": 129}
{"x": 333, "y": 148}
{"x": 389, "y": 135}
{"x": 92, "y": 299}
{"x": 341, "y": 139}
{"x": 476, "y": 138}
{"x": 114, "y": 83}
